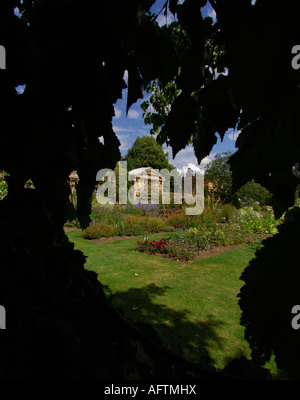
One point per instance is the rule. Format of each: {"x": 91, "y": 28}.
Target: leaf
{"x": 204, "y": 138}
{"x": 169, "y": 62}
{"x": 258, "y": 143}
{"x": 147, "y": 50}
{"x": 180, "y": 123}
{"x": 173, "y": 6}
{"x": 218, "y": 105}
{"x": 135, "y": 84}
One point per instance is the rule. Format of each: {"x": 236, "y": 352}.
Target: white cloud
{"x": 186, "y": 159}
{"x": 143, "y": 132}
{"x": 117, "y": 129}
{"x": 125, "y": 141}
{"x": 163, "y": 20}
{"x": 118, "y": 113}
{"x": 191, "y": 166}
{"x": 17, "y": 12}
{"x": 208, "y": 11}
{"x": 234, "y": 135}
{"x": 207, "y": 160}
{"x": 20, "y": 89}
{"x": 125, "y": 77}
{"x": 134, "y": 114}
{"x": 211, "y": 13}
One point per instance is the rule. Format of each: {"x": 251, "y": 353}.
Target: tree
{"x": 252, "y": 193}
{"x": 146, "y": 152}
{"x": 218, "y": 173}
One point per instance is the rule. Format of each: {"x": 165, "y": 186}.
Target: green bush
{"x": 181, "y": 249}
{"x": 100, "y": 229}
{"x": 153, "y": 224}
{"x": 219, "y": 237}
{"x": 3, "y": 185}
{"x": 178, "y": 221}
{"x": 251, "y": 221}
{"x": 227, "y": 212}
{"x": 207, "y": 220}
{"x": 192, "y": 232}
{"x": 252, "y": 193}
{"x": 134, "y": 225}
{"x": 108, "y": 213}
{"x": 223, "y": 235}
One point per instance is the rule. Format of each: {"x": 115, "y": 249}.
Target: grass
{"x": 193, "y": 307}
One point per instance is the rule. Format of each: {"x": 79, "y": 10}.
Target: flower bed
{"x": 188, "y": 247}
{"x": 213, "y": 226}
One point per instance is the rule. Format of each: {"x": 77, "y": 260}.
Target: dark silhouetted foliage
{"x": 72, "y": 56}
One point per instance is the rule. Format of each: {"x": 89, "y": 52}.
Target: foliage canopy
{"x": 146, "y": 152}
{"x": 72, "y": 56}
{"x": 219, "y": 174}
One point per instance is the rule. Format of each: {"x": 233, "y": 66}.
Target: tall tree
{"x": 146, "y": 152}
{"x": 218, "y": 173}
{"x": 252, "y": 193}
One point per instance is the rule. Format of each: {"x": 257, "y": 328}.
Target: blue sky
{"x": 129, "y": 127}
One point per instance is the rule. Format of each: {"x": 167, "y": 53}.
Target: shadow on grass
{"x": 174, "y": 331}
{"x": 171, "y": 328}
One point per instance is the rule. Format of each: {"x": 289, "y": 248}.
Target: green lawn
{"x": 193, "y": 307}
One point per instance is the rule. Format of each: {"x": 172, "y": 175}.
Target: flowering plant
{"x": 154, "y": 246}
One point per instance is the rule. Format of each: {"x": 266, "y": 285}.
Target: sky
{"x": 129, "y": 127}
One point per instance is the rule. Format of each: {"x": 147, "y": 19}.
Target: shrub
{"x": 223, "y": 235}
{"x": 251, "y": 221}
{"x": 129, "y": 209}
{"x": 147, "y": 209}
{"x": 134, "y": 225}
{"x": 204, "y": 240}
{"x": 176, "y": 248}
{"x": 207, "y": 220}
{"x": 219, "y": 237}
{"x": 154, "y": 247}
{"x": 227, "y": 212}
{"x": 153, "y": 224}
{"x": 252, "y": 193}
{"x": 178, "y": 221}
{"x": 110, "y": 214}
{"x": 192, "y": 232}
{"x": 167, "y": 210}
{"x": 182, "y": 249}
{"x": 100, "y": 229}
{"x": 3, "y": 185}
